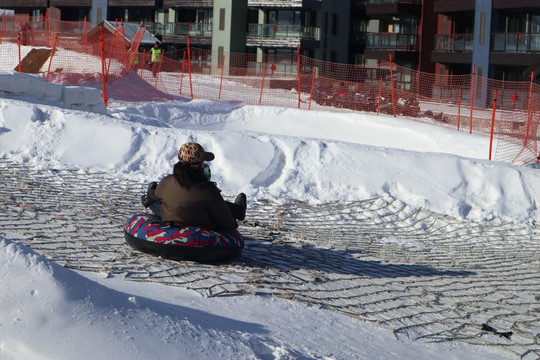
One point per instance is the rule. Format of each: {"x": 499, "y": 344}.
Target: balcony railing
{"x": 188, "y": 29}
{"x": 275, "y": 3}
{"x": 392, "y": 41}
{"x": 311, "y": 33}
{"x": 454, "y": 42}
{"x": 500, "y": 42}
{"x": 154, "y": 27}
{"x": 380, "y": 2}
{"x": 277, "y": 31}
{"x": 515, "y": 42}
{"x": 357, "y": 4}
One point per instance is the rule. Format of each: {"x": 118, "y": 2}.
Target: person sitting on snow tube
{"x": 187, "y": 197}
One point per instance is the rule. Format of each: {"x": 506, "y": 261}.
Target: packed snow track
{"x": 414, "y": 272}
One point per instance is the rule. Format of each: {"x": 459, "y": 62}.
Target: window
{"x": 222, "y": 19}
{"x": 407, "y": 26}
{"x": 289, "y": 17}
{"x": 334, "y": 24}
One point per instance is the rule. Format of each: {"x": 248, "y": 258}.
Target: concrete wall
{"x": 233, "y": 36}
{"x": 339, "y": 42}
{"x": 99, "y": 7}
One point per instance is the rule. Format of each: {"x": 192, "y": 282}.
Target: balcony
{"x": 198, "y": 33}
{"x": 188, "y": 3}
{"x": 275, "y": 3}
{"x": 505, "y": 4}
{"x": 121, "y": 3}
{"x": 379, "y": 2}
{"x": 393, "y": 7}
{"x": 359, "y": 4}
{"x": 500, "y": 42}
{"x": 278, "y": 35}
{"x": 516, "y": 49}
{"x": 154, "y": 27}
{"x": 515, "y": 42}
{"x": 15, "y": 4}
{"x": 68, "y": 3}
{"x": 277, "y": 31}
{"x": 392, "y": 41}
{"x": 453, "y": 48}
{"x": 188, "y": 29}
{"x": 454, "y": 43}
{"x": 449, "y": 6}
{"x": 402, "y": 47}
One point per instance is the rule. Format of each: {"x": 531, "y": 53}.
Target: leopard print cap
{"x": 193, "y": 153}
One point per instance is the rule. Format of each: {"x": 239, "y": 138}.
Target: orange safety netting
{"x": 78, "y": 53}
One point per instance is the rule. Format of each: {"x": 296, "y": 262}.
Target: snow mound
{"x": 46, "y": 298}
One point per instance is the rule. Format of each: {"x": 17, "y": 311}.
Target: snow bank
{"x": 276, "y": 153}
{"x": 49, "y": 312}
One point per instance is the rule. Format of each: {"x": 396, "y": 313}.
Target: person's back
{"x": 198, "y": 205}
{"x": 187, "y": 197}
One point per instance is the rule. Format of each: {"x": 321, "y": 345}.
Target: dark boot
{"x": 241, "y": 205}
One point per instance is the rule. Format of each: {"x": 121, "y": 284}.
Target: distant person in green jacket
{"x": 155, "y": 58}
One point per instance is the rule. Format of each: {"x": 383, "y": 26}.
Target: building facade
{"x": 498, "y": 38}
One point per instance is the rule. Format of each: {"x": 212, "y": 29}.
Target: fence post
{"x": 262, "y": 86}
{"x": 379, "y": 97}
{"x": 19, "y": 46}
{"x": 47, "y": 26}
{"x": 529, "y": 112}
{"x": 182, "y": 72}
{"x": 492, "y": 124}
{"x": 133, "y": 51}
{"x": 529, "y": 120}
{"x": 111, "y": 50}
{"x": 143, "y": 61}
{"x": 472, "y": 98}
{"x": 221, "y": 81}
{"x": 103, "y": 61}
{"x": 189, "y": 68}
{"x": 2, "y": 29}
{"x": 392, "y": 85}
{"x": 85, "y": 39}
{"x": 124, "y": 43}
{"x": 159, "y": 67}
{"x": 51, "y": 58}
{"x": 312, "y": 85}
{"x": 459, "y": 110}
{"x": 299, "y": 80}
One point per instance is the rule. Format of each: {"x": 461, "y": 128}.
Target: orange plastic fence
{"x": 105, "y": 58}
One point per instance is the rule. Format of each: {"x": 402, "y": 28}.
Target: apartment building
{"x": 402, "y": 29}
{"x": 269, "y": 27}
{"x": 68, "y": 10}
{"x": 501, "y": 39}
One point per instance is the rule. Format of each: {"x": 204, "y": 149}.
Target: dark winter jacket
{"x": 201, "y": 205}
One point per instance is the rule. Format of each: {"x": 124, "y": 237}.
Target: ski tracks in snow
{"x": 417, "y": 273}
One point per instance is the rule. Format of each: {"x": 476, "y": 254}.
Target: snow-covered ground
{"x": 49, "y": 312}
